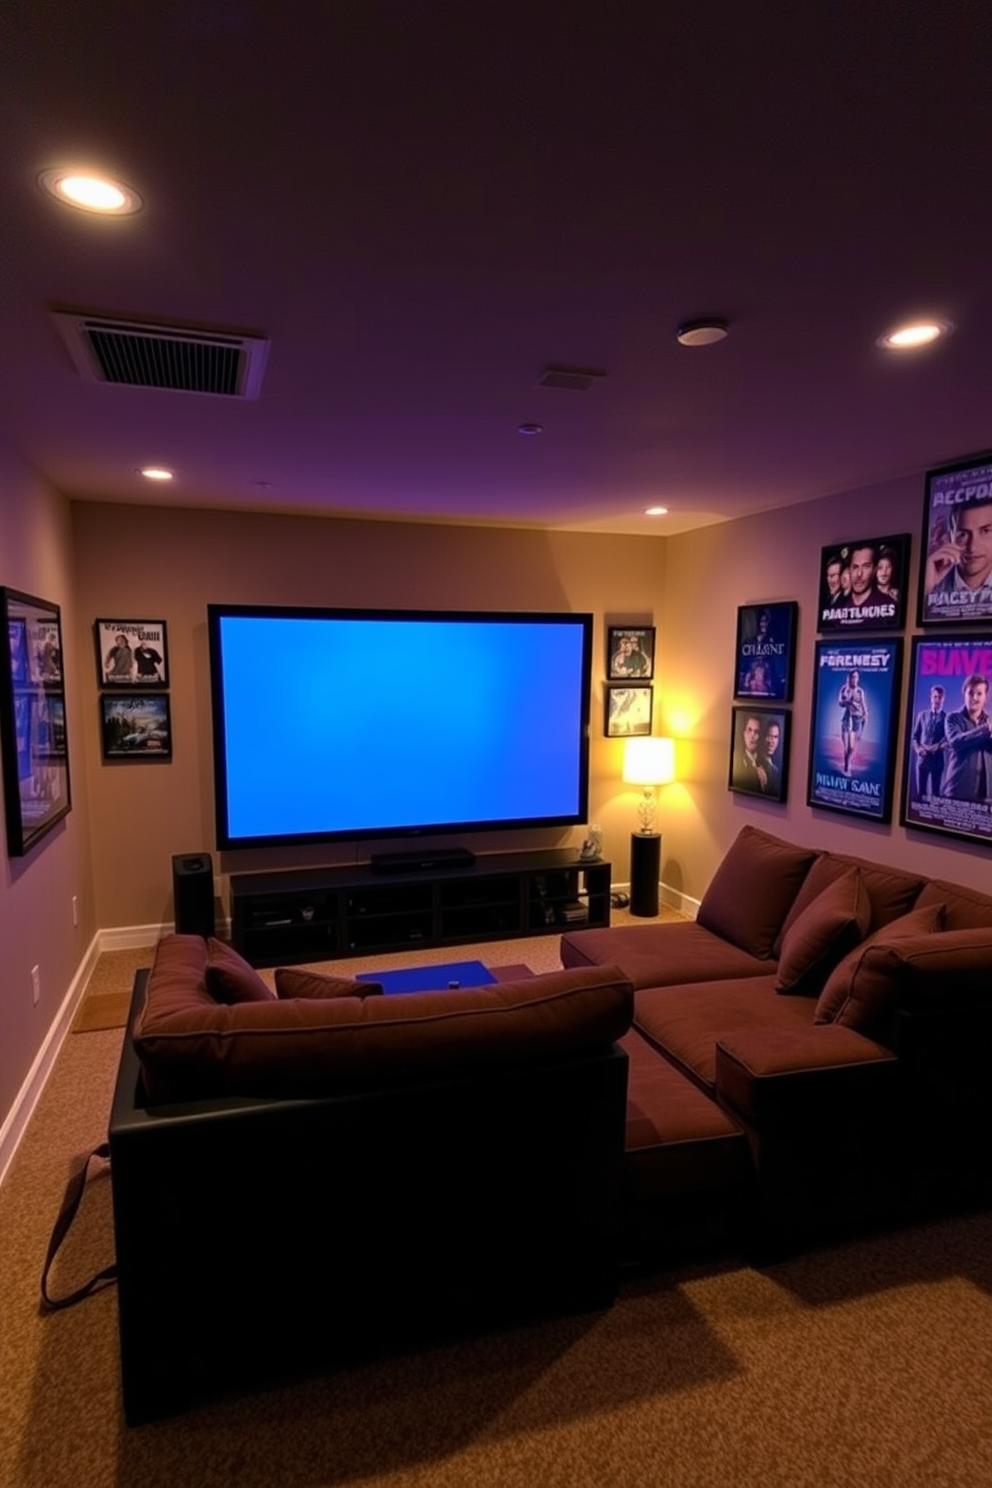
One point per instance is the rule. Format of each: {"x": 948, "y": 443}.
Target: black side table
{"x": 645, "y": 870}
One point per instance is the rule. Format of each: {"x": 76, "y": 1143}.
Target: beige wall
{"x": 154, "y": 563}
{"x": 36, "y": 891}
{"x": 774, "y": 556}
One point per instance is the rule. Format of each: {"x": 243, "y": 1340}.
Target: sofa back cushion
{"x": 964, "y": 909}
{"x": 859, "y": 993}
{"x": 830, "y": 926}
{"x": 753, "y": 889}
{"x": 293, "y": 981}
{"x": 193, "y": 1048}
{"x": 891, "y": 891}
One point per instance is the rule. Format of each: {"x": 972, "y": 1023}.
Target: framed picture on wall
{"x": 136, "y": 727}
{"x": 766, "y": 650}
{"x": 759, "y": 752}
{"x": 630, "y": 652}
{"x": 131, "y": 653}
{"x": 33, "y": 732}
{"x": 956, "y": 552}
{"x": 863, "y": 584}
{"x": 853, "y": 728}
{"x": 628, "y": 711}
{"x": 947, "y": 738}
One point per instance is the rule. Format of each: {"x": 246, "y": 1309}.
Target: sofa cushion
{"x": 686, "y": 1022}
{"x": 752, "y": 890}
{"x": 192, "y": 1048}
{"x": 943, "y": 973}
{"x": 854, "y": 995}
{"x": 230, "y": 978}
{"x": 834, "y": 922}
{"x": 892, "y": 891}
{"x": 964, "y": 909}
{"x": 295, "y": 982}
{"x": 669, "y": 954}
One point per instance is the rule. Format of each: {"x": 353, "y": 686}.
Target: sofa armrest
{"x": 783, "y": 1073}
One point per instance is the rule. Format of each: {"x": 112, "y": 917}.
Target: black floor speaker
{"x": 193, "y": 893}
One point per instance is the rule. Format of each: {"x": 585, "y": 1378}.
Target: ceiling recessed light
{"x": 656, "y": 511}
{"x": 91, "y": 193}
{"x": 530, "y": 429}
{"x": 156, "y": 473}
{"x": 918, "y": 333}
{"x": 702, "y": 332}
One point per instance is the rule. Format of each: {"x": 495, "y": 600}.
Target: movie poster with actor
{"x": 956, "y": 573}
{"x": 852, "y": 734}
{"x": 766, "y": 636}
{"x": 863, "y": 584}
{"x": 947, "y": 744}
{"x": 132, "y": 653}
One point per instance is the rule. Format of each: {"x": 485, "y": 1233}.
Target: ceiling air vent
{"x": 575, "y": 379}
{"x": 180, "y": 359}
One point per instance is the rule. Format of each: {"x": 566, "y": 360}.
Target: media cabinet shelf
{"x": 321, "y": 914}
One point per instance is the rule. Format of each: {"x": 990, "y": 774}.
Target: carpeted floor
{"x": 862, "y": 1366}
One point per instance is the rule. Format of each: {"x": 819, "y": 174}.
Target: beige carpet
{"x": 862, "y": 1366}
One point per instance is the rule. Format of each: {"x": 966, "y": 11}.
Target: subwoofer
{"x": 193, "y": 893}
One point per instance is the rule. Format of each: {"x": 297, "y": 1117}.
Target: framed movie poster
{"x": 630, "y": 652}
{"x": 766, "y": 650}
{"x": 947, "y": 739}
{"x": 759, "y": 752}
{"x": 863, "y": 584}
{"x": 32, "y": 721}
{"x": 135, "y": 727}
{"x": 956, "y": 552}
{"x": 853, "y": 728}
{"x": 131, "y": 653}
{"x": 628, "y": 711}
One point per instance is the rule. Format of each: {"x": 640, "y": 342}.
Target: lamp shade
{"x": 649, "y": 761}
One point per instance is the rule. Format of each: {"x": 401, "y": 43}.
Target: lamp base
{"x": 645, "y": 871}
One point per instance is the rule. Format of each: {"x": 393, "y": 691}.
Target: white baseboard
{"x": 27, "y": 1098}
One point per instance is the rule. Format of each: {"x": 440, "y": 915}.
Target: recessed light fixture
{"x": 702, "y": 332}
{"x": 91, "y": 193}
{"x": 917, "y": 333}
{"x": 656, "y": 511}
{"x": 156, "y": 473}
{"x": 530, "y": 429}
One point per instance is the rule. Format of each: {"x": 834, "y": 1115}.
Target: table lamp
{"x": 647, "y": 762}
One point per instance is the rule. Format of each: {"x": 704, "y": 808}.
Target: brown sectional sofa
{"x": 302, "y": 1178}
{"x": 826, "y": 1019}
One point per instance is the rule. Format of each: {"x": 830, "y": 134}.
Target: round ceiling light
{"x": 156, "y": 473}
{"x": 91, "y": 193}
{"x": 917, "y": 333}
{"x": 656, "y": 511}
{"x": 530, "y": 429}
{"x": 702, "y": 332}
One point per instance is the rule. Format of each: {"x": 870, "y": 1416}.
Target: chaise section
{"x": 666, "y": 955}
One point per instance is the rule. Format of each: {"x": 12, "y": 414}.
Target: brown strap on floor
{"x": 67, "y": 1213}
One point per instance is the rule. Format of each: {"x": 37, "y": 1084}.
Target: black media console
{"x": 320, "y": 914}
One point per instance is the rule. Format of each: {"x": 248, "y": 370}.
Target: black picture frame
{"x": 880, "y": 608}
{"x": 764, "y": 769}
{"x": 136, "y": 726}
{"x": 143, "y": 659}
{"x": 852, "y": 739}
{"x": 947, "y": 769}
{"x": 630, "y": 652}
{"x": 957, "y": 500}
{"x": 33, "y": 730}
{"x": 765, "y": 652}
{"x": 629, "y": 711}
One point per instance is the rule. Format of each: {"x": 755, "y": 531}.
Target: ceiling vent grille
{"x": 575, "y": 379}
{"x": 172, "y": 358}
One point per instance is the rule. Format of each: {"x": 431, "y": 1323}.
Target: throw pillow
{"x": 827, "y": 929}
{"x": 293, "y": 983}
{"x": 752, "y": 889}
{"x": 231, "y": 979}
{"x": 850, "y": 995}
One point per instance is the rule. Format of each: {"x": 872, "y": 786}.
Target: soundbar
{"x": 422, "y": 861}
